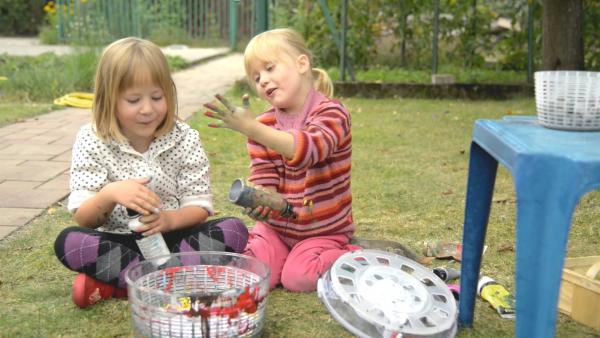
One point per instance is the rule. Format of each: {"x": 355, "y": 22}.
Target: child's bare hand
{"x": 232, "y": 117}
{"x": 133, "y": 194}
{"x": 156, "y": 223}
{"x": 260, "y": 213}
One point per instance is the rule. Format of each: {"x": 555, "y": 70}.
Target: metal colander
{"x": 200, "y": 294}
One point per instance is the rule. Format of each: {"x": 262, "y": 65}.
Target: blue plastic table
{"x": 551, "y": 170}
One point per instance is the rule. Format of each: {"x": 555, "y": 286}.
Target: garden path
{"x": 35, "y": 154}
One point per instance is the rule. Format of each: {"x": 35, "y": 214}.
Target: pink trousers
{"x": 298, "y": 268}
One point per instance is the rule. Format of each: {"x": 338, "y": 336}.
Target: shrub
{"x": 20, "y": 17}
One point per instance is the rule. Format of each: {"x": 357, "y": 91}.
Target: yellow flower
{"x": 50, "y": 7}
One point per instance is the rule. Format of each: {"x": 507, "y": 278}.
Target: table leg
{"x": 546, "y": 199}
{"x": 480, "y": 187}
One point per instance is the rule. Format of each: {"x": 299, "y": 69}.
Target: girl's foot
{"x": 89, "y": 291}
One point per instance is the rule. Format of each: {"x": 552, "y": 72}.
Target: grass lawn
{"x": 410, "y": 162}
{"x": 11, "y": 112}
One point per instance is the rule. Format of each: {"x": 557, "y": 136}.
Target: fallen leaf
{"x": 506, "y": 247}
{"x": 426, "y": 260}
{"x": 504, "y": 200}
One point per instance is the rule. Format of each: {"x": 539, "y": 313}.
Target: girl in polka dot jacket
{"x": 136, "y": 154}
{"x": 301, "y": 148}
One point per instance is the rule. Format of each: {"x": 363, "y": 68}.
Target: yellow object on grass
{"x": 76, "y": 99}
{"x": 3, "y": 78}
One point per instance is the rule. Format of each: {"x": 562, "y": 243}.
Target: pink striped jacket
{"x": 316, "y": 181}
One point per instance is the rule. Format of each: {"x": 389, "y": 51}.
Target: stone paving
{"x": 35, "y": 154}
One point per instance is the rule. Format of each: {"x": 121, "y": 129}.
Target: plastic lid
{"x": 374, "y": 293}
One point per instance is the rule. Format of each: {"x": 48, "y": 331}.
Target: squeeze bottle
{"x": 151, "y": 246}
{"x": 495, "y": 294}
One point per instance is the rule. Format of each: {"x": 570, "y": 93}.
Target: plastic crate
{"x": 580, "y": 290}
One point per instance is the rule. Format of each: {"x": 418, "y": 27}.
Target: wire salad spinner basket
{"x": 374, "y": 293}
{"x": 199, "y": 294}
{"x": 568, "y": 100}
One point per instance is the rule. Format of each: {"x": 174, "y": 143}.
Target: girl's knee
{"x": 240, "y": 227}
{"x": 61, "y": 240}
{"x": 299, "y": 281}
{"x": 235, "y": 233}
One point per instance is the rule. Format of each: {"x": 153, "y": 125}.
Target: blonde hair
{"x": 124, "y": 63}
{"x": 278, "y": 43}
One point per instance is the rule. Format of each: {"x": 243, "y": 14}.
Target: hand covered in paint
{"x": 160, "y": 222}
{"x": 232, "y": 117}
{"x": 133, "y": 194}
{"x": 260, "y": 213}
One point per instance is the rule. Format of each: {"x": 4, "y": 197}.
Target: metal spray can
{"x": 249, "y": 197}
{"x": 446, "y": 274}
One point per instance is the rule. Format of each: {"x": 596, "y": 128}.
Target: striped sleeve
{"x": 327, "y": 131}
{"x": 263, "y": 170}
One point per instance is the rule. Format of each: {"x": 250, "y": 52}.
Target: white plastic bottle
{"x": 151, "y": 246}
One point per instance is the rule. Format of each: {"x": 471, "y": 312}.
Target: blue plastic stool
{"x": 551, "y": 170}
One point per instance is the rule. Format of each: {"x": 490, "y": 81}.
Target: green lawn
{"x": 17, "y": 112}
{"x": 410, "y": 162}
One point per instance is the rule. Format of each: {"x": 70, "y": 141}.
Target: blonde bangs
{"x": 272, "y": 46}
{"x": 125, "y": 63}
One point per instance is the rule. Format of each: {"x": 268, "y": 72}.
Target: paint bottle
{"x": 151, "y": 246}
{"x": 495, "y": 294}
{"x": 443, "y": 249}
{"x": 249, "y": 197}
{"x": 446, "y": 274}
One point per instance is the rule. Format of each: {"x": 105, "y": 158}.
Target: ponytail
{"x": 322, "y": 82}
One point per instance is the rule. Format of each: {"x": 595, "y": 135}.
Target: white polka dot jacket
{"x": 176, "y": 162}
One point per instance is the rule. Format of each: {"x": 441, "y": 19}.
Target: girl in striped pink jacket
{"x": 300, "y": 148}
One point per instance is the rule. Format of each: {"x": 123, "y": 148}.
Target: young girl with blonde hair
{"x": 136, "y": 154}
{"x": 300, "y": 148}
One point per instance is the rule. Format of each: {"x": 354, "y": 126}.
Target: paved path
{"x": 25, "y": 46}
{"x": 35, "y": 154}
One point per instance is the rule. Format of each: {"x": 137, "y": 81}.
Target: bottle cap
{"x": 482, "y": 282}
{"x": 132, "y": 213}
{"x": 442, "y": 273}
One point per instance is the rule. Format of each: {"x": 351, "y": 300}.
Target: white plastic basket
{"x": 201, "y": 294}
{"x": 568, "y": 100}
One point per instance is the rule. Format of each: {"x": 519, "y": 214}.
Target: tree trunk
{"x": 562, "y": 38}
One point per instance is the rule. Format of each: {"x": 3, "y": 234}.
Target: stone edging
{"x": 431, "y": 91}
